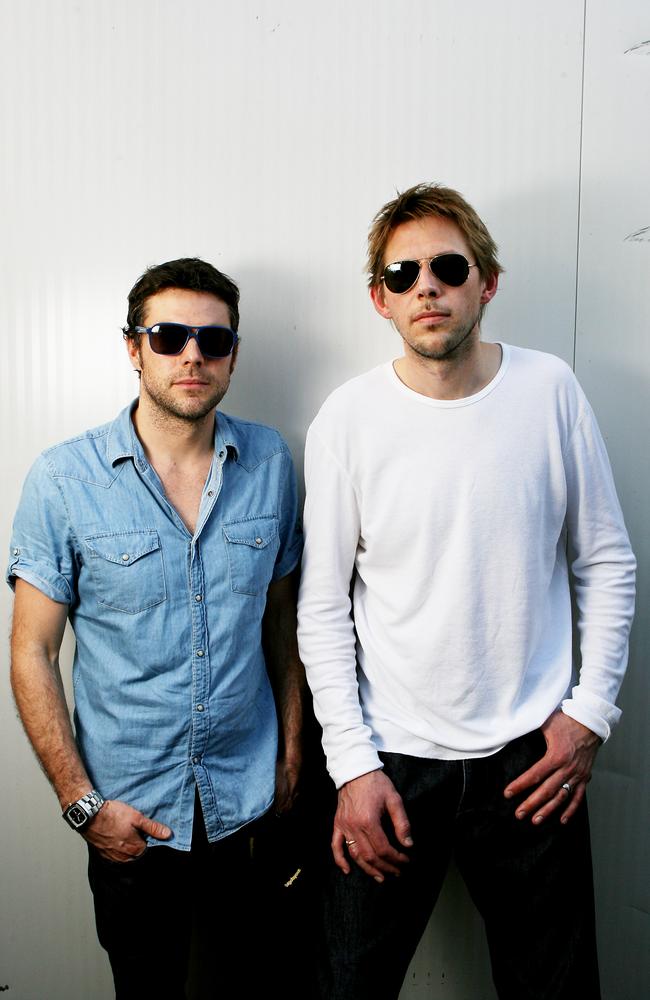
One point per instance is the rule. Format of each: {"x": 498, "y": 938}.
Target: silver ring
{"x": 350, "y": 842}
{"x": 567, "y": 787}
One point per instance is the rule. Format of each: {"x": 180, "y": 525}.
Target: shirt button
{"x": 195, "y": 760}
{"x": 16, "y": 552}
{"x": 198, "y": 597}
{"x": 210, "y": 493}
{"x": 258, "y": 541}
{"x": 199, "y": 708}
{"x": 125, "y": 557}
{"x": 222, "y": 454}
{"x": 199, "y": 652}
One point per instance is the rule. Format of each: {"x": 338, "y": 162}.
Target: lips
{"x": 430, "y": 314}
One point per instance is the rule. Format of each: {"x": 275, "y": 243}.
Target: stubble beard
{"x": 456, "y": 344}
{"x": 192, "y": 410}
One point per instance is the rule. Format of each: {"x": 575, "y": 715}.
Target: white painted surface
{"x": 613, "y": 364}
{"x": 264, "y": 136}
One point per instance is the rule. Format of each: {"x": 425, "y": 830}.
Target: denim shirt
{"x": 170, "y": 684}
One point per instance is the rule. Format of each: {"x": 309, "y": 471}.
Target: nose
{"x": 191, "y": 354}
{"x": 427, "y": 285}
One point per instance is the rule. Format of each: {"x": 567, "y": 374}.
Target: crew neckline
{"x": 447, "y": 404}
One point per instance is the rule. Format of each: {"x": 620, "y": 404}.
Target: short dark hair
{"x": 192, "y": 273}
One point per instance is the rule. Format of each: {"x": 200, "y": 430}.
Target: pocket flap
{"x": 123, "y": 547}
{"x": 257, "y": 532}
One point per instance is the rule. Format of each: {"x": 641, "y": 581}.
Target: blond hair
{"x": 421, "y": 202}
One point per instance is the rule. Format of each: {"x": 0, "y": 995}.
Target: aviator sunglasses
{"x": 172, "y": 338}
{"x": 450, "y": 268}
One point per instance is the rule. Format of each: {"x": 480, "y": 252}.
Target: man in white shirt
{"x": 451, "y": 497}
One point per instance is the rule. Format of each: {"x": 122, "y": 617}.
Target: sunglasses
{"x": 172, "y": 338}
{"x": 450, "y": 268}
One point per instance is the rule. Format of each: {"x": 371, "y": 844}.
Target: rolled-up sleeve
{"x": 290, "y": 549}
{"x": 42, "y": 550}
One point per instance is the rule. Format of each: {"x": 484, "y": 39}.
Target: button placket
{"x": 211, "y": 490}
{"x": 200, "y": 658}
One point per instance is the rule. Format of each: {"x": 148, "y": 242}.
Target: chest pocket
{"x": 127, "y": 568}
{"x": 252, "y": 545}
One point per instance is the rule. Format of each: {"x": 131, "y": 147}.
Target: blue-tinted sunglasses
{"x": 172, "y": 338}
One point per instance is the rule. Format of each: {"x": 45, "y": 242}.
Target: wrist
{"x": 80, "y": 812}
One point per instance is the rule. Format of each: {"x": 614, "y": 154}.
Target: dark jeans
{"x": 152, "y": 913}
{"x": 531, "y": 884}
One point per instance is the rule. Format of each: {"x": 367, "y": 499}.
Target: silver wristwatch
{"x": 78, "y": 814}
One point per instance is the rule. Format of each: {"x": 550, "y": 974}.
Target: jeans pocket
{"x": 127, "y": 568}
{"x": 252, "y": 545}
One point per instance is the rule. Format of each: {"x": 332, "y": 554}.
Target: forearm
{"x": 37, "y": 632}
{"x": 285, "y": 670}
{"x": 288, "y": 683}
{"x": 40, "y": 699}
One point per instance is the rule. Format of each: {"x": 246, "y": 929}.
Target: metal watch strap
{"x": 79, "y": 813}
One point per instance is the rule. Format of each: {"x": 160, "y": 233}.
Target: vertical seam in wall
{"x": 578, "y": 221}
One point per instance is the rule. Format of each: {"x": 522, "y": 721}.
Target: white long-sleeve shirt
{"x": 435, "y": 614}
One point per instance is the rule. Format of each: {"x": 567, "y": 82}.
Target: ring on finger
{"x": 567, "y": 788}
{"x": 349, "y": 843}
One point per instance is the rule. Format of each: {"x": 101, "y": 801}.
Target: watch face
{"x": 76, "y": 816}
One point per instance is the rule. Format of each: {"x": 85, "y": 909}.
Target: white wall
{"x": 613, "y": 364}
{"x": 264, "y": 136}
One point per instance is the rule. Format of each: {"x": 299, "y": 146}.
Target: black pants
{"x": 169, "y": 912}
{"x": 531, "y": 884}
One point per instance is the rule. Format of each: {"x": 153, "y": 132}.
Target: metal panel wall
{"x": 613, "y": 364}
{"x": 263, "y": 136}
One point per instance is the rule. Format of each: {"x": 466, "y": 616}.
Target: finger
{"x": 574, "y": 803}
{"x": 149, "y": 826}
{"x": 400, "y": 822}
{"x": 557, "y": 802}
{"x": 121, "y": 857}
{"x": 374, "y": 853}
{"x": 533, "y": 776}
{"x": 359, "y": 850}
{"x": 365, "y": 858}
{"x": 376, "y": 860}
{"x": 340, "y": 859}
{"x": 549, "y": 791}
{"x": 566, "y": 798}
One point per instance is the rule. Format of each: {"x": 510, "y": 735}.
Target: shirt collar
{"x": 123, "y": 442}
{"x": 226, "y": 435}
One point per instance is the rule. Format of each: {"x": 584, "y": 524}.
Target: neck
{"x": 170, "y": 440}
{"x": 456, "y": 376}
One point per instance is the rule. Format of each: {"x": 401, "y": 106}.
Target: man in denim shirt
{"x": 168, "y": 539}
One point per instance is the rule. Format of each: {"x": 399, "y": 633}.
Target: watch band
{"x": 78, "y": 814}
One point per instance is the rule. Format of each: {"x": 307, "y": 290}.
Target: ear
{"x": 133, "y": 350}
{"x": 233, "y": 357}
{"x": 379, "y": 301}
{"x": 490, "y": 289}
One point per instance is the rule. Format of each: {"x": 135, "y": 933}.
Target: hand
{"x": 357, "y": 824}
{"x": 118, "y": 831}
{"x": 287, "y": 773}
{"x": 570, "y": 752}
